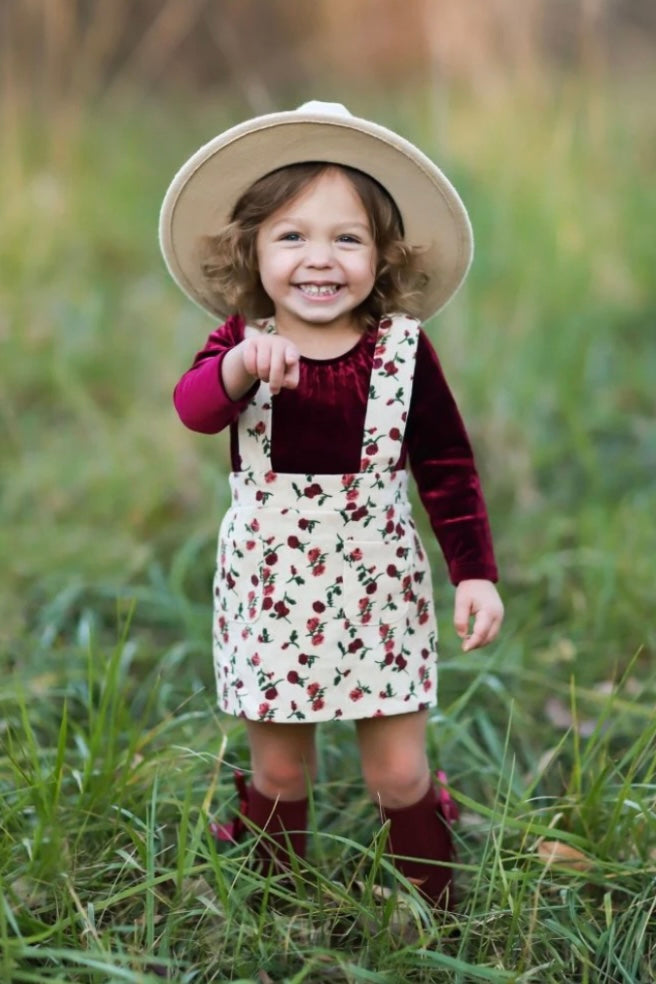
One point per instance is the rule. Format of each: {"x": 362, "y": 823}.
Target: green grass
{"x": 111, "y": 752}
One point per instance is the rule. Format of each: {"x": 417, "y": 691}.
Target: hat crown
{"x": 320, "y": 108}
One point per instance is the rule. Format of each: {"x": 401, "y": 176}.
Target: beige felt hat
{"x": 203, "y": 193}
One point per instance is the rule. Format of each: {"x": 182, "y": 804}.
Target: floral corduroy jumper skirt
{"x": 323, "y": 604}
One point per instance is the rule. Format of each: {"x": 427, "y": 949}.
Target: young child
{"x": 320, "y": 240}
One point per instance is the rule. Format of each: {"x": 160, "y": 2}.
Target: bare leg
{"x": 394, "y": 761}
{"x": 283, "y": 758}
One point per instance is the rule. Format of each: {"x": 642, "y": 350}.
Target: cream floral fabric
{"x": 323, "y": 604}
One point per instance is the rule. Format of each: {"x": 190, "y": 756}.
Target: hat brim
{"x": 203, "y": 193}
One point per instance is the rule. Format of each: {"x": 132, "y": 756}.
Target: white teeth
{"x": 319, "y": 290}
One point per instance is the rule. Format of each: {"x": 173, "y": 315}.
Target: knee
{"x": 398, "y": 779}
{"x": 286, "y": 778}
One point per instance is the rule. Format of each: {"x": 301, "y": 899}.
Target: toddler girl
{"x": 321, "y": 240}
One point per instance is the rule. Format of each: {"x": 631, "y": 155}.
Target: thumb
{"x": 461, "y": 614}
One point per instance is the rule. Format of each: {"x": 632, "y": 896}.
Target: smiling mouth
{"x": 319, "y": 290}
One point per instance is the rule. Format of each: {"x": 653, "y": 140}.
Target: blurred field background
{"x": 111, "y": 752}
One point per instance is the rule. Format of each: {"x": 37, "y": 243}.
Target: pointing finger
{"x": 292, "y": 367}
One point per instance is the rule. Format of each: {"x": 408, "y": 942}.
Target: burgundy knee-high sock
{"x": 283, "y": 824}
{"x": 421, "y": 833}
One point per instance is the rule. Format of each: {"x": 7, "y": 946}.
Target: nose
{"x": 319, "y": 254}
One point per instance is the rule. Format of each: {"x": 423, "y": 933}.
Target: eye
{"x": 290, "y": 237}
{"x": 347, "y": 237}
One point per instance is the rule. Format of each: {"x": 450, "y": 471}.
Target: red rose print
{"x": 293, "y": 677}
{"x": 303, "y": 524}
{"x": 251, "y": 544}
{"x": 272, "y": 558}
{"x": 356, "y": 554}
{"x": 260, "y": 427}
{"x": 302, "y": 658}
{"x": 281, "y": 609}
{"x": 355, "y": 645}
{"x": 401, "y": 662}
{"x": 313, "y": 490}
{"x": 256, "y": 659}
{"x": 356, "y": 694}
{"x": 372, "y": 448}
{"x": 313, "y": 624}
{"x": 318, "y": 570}
{"x": 317, "y": 639}
{"x": 270, "y": 476}
{"x": 271, "y": 693}
{"x": 314, "y": 554}
{"x": 392, "y": 571}
{"x": 267, "y": 603}
{"x": 313, "y": 689}
{"x": 395, "y": 434}
{"x": 318, "y": 606}
{"x": 317, "y": 705}
{"x": 372, "y": 587}
{"x": 390, "y": 368}
{"x": 263, "y": 710}
{"x": 293, "y": 542}
{"x": 255, "y": 525}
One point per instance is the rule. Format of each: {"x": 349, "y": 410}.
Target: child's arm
{"x": 226, "y": 373}
{"x": 443, "y": 465}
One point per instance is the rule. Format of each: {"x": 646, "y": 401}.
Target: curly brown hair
{"x": 229, "y": 258}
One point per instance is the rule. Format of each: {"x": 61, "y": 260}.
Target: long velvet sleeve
{"x": 200, "y": 397}
{"x": 442, "y": 462}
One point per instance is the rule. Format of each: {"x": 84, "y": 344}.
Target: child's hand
{"x": 481, "y": 600}
{"x": 273, "y": 359}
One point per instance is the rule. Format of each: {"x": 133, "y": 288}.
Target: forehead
{"x": 330, "y": 186}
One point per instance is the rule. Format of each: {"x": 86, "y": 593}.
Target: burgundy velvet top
{"x": 318, "y": 426}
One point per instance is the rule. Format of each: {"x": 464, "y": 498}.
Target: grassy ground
{"x": 111, "y": 752}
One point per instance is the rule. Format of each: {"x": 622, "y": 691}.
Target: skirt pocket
{"x": 239, "y": 562}
{"x": 377, "y": 580}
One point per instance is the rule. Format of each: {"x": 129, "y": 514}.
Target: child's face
{"x": 316, "y": 254}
